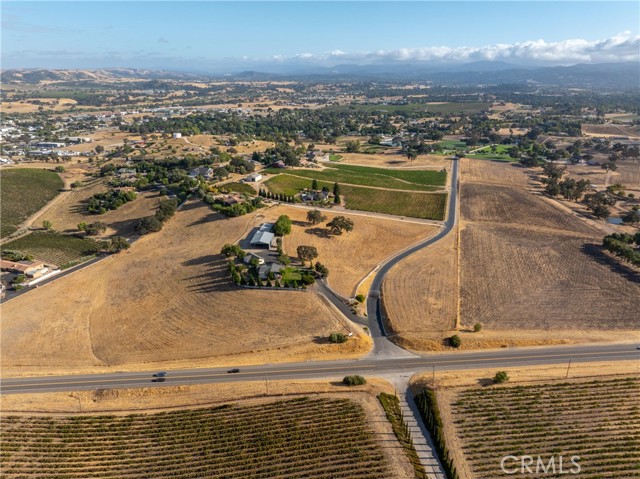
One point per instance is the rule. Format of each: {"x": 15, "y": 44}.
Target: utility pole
{"x": 569, "y": 366}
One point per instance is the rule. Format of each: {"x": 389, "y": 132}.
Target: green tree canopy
{"x": 282, "y": 226}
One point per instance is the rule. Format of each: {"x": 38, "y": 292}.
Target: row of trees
{"x": 150, "y": 224}
{"x": 622, "y": 245}
{"x": 276, "y": 196}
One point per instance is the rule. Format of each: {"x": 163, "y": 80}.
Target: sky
{"x": 232, "y": 36}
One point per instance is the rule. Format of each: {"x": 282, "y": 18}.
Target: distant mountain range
{"x": 609, "y": 76}
{"x": 34, "y": 76}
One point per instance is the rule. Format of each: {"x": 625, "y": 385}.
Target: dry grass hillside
{"x": 529, "y": 271}
{"x": 350, "y": 256}
{"x": 71, "y": 210}
{"x": 167, "y": 299}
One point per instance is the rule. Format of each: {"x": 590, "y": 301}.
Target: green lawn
{"x": 418, "y": 180}
{"x": 500, "y": 152}
{"x": 401, "y": 203}
{"x": 374, "y": 149}
{"x": 23, "y": 192}
{"x": 238, "y": 187}
{"x": 55, "y": 248}
{"x": 334, "y": 157}
{"x": 291, "y": 274}
{"x": 452, "y": 145}
{"x": 290, "y": 185}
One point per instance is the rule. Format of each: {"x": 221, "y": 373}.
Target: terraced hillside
{"x": 322, "y": 438}
{"x": 598, "y": 421}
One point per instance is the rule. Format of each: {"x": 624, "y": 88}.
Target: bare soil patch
{"x": 393, "y": 159}
{"x": 169, "y": 300}
{"x": 632, "y": 132}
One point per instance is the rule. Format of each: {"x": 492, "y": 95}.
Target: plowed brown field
{"x": 519, "y": 278}
{"x": 509, "y": 205}
{"x": 529, "y": 271}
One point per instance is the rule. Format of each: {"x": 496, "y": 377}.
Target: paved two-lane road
{"x": 493, "y": 360}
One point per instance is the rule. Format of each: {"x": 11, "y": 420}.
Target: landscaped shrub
{"x": 338, "y": 338}
{"x": 455, "y": 341}
{"x": 307, "y": 279}
{"x": 500, "y": 377}
{"x": 354, "y": 380}
{"x": 360, "y": 298}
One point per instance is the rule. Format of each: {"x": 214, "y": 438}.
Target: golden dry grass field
{"x": 349, "y": 256}
{"x": 70, "y": 210}
{"x": 47, "y": 104}
{"x": 167, "y": 300}
{"x": 528, "y": 265}
{"x": 529, "y": 270}
{"x": 421, "y": 293}
{"x": 633, "y": 132}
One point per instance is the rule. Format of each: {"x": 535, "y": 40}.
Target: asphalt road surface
{"x": 372, "y": 365}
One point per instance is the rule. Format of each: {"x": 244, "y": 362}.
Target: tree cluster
{"x": 100, "y": 203}
{"x": 92, "y": 229}
{"x": 622, "y": 245}
{"x": 282, "y": 225}
{"x": 339, "y": 224}
{"x": 150, "y": 224}
{"x": 233, "y": 250}
{"x": 237, "y": 209}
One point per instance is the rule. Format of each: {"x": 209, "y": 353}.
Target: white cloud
{"x": 622, "y": 47}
